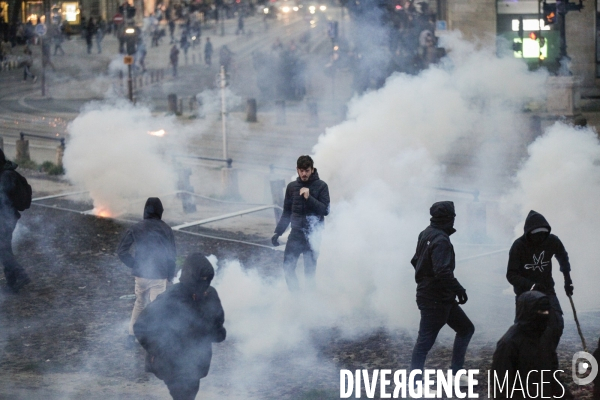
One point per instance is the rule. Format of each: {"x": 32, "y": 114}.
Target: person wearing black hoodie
{"x": 530, "y": 268}
{"x": 437, "y": 289}
{"x": 15, "y": 274}
{"x": 153, "y": 262}
{"x": 305, "y": 206}
{"x": 521, "y": 352}
{"x": 177, "y": 329}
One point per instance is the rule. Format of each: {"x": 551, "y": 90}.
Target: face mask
{"x": 538, "y": 237}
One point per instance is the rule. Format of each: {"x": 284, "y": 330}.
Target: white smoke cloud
{"x": 111, "y": 154}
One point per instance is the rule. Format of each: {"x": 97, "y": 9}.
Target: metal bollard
{"x": 60, "y": 152}
{"x": 280, "y": 111}
{"x": 141, "y": 84}
{"x": 180, "y": 109}
{"x": 121, "y": 78}
{"x": 193, "y": 104}
{"x": 251, "y": 110}
{"x": 172, "y": 103}
{"x": 151, "y": 76}
{"x": 22, "y": 150}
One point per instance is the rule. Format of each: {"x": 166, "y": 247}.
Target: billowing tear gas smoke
{"x": 382, "y": 166}
{"x": 112, "y": 155}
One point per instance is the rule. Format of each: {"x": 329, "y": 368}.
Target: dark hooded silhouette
{"x": 521, "y": 349}
{"x": 15, "y": 274}
{"x": 530, "y": 268}
{"x": 178, "y": 329}
{"x": 437, "y": 289}
{"x": 154, "y": 244}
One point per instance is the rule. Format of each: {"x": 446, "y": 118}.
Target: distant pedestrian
{"x": 184, "y": 43}
{"x": 178, "y": 329}
{"x": 208, "y": 51}
{"x": 27, "y": 64}
{"x": 140, "y": 54}
{"x": 154, "y": 261}
{"x": 101, "y": 29}
{"x": 89, "y": 34}
{"x": 225, "y": 58}
{"x": 240, "y": 25}
{"x": 46, "y": 50}
{"x": 172, "y": 31}
{"x": 15, "y": 196}
{"x": 174, "y": 57}
{"x": 58, "y": 38}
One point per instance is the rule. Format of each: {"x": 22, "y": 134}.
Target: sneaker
{"x": 34, "y": 79}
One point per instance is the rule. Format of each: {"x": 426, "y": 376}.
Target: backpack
{"x": 21, "y": 196}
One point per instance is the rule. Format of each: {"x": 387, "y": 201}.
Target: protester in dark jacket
{"x": 16, "y": 277}
{"x": 437, "y": 288}
{"x": 521, "y": 351}
{"x": 178, "y": 329}
{"x": 154, "y": 261}
{"x": 530, "y": 268}
{"x": 305, "y": 206}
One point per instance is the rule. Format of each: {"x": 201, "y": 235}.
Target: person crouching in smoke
{"x": 305, "y": 206}
{"x": 178, "y": 329}
{"x": 521, "y": 351}
{"x": 437, "y": 290}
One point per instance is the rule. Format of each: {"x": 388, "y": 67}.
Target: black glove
{"x": 274, "y": 240}
{"x": 568, "y": 284}
{"x": 540, "y": 287}
{"x": 462, "y": 297}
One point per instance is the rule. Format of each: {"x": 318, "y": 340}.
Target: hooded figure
{"x": 437, "y": 288}
{"x": 16, "y": 277}
{"x": 153, "y": 260}
{"x": 530, "y": 268}
{"x": 521, "y": 350}
{"x": 178, "y": 329}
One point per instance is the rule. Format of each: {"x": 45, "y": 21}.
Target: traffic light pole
{"x": 129, "y": 83}
{"x": 223, "y": 111}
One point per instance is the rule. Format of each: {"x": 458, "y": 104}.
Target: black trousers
{"x": 183, "y": 389}
{"x": 433, "y": 319}
{"x": 297, "y": 244}
{"x": 13, "y": 271}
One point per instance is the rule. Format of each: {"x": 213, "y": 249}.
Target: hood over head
{"x": 536, "y": 228}
{"x": 442, "y": 216}
{"x": 197, "y": 273}
{"x": 153, "y": 208}
{"x": 532, "y": 311}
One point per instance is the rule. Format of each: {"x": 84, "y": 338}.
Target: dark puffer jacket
{"x": 530, "y": 262}
{"x": 434, "y": 259}
{"x": 8, "y": 177}
{"x": 154, "y": 245}
{"x": 178, "y": 328}
{"x": 521, "y": 350}
{"x": 304, "y": 214}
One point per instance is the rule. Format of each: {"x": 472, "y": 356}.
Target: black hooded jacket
{"x": 530, "y": 261}
{"x": 303, "y": 213}
{"x": 154, "y": 245}
{"x": 434, "y": 259}
{"x": 8, "y": 177}
{"x": 178, "y": 328}
{"x": 521, "y": 350}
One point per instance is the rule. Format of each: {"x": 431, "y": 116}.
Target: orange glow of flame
{"x": 159, "y": 133}
{"x": 103, "y": 212}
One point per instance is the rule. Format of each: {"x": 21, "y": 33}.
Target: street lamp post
{"x": 223, "y": 111}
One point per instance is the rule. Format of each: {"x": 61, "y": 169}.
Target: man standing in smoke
{"x": 178, "y": 329}
{"x": 305, "y": 206}
{"x": 16, "y": 277}
{"x": 154, "y": 261}
{"x": 520, "y": 352}
{"x": 530, "y": 268}
{"x": 437, "y": 289}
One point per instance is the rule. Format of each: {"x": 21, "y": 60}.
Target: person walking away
{"x": 225, "y": 56}
{"x": 89, "y": 34}
{"x": 141, "y": 54}
{"x": 101, "y": 30}
{"x": 530, "y": 268}
{"x": 15, "y": 196}
{"x": 520, "y": 351}
{"x": 174, "y": 57}
{"x": 177, "y": 330}
{"x": 208, "y": 51}
{"x": 153, "y": 262}
{"x": 58, "y": 39}
{"x": 305, "y": 206}
{"x": 184, "y": 43}
{"x": 438, "y": 289}
{"x": 240, "y": 25}
{"x": 27, "y": 64}
{"x": 46, "y": 50}
{"x": 172, "y": 30}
